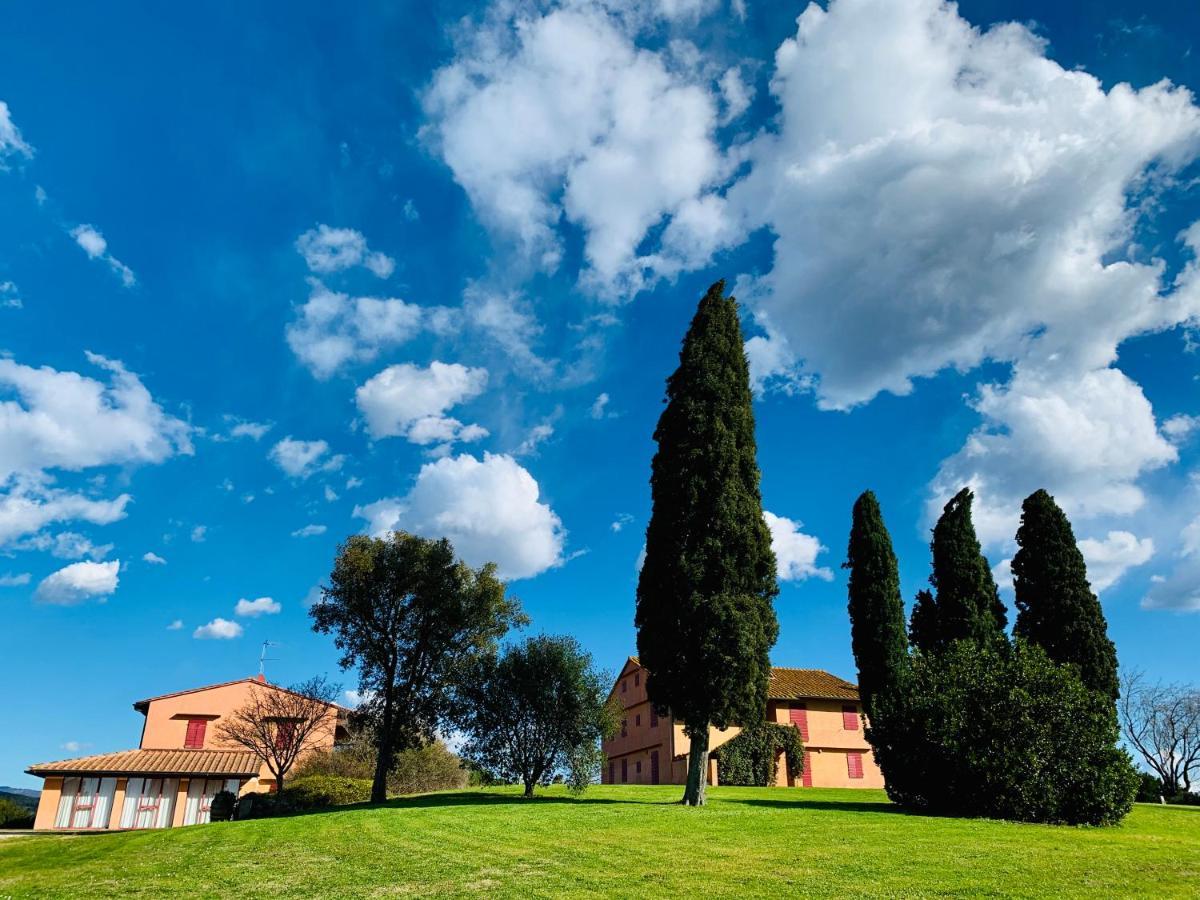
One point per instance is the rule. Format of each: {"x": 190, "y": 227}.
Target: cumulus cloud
{"x": 1179, "y": 428}
{"x": 199, "y": 534}
{"x": 218, "y": 629}
{"x": 310, "y": 530}
{"x": 252, "y": 609}
{"x": 544, "y": 116}
{"x": 18, "y": 580}
{"x": 490, "y": 510}
{"x": 409, "y": 401}
{"x": 1109, "y": 559}
{"x": 153, "y": 558}
{"x": 96, "y": 247}
{"x": 11, "y": 142}
{"x": 78, "y": 582}
{"x": 538, "y": 435}
{"x": 795, "y": 552}
{"x": 300, "y": 459}
{"x": 326, "y": 250}
{"x": 176, "y": 625}
{"x": 599, "y": 408}
{"x": 54, "y": 419}
{"x": 30, "y": 506}
{"x": 65, "y": 545}
{"x": 253, "y": 430}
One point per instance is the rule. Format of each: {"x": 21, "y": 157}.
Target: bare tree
{"x": 279, "y": 724}
{"x": 1162, "y": 722}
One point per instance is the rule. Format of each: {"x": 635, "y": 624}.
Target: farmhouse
{"x": 173, "y": 775}
{"x": 649, "y": 749}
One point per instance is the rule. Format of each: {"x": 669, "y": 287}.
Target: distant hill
{"x": 26, "y": 797}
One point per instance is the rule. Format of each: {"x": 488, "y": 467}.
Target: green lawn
{"x": 619, "y": 841}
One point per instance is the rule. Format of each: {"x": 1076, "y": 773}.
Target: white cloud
{"x": 330, "y": 494}
{"x": 153, "y": 558}
{"x": 538, "y": 435}
{"x": 352, "y": 482}
{"x": 490, "y": 510}
{"x": 300, "y": 459}
{"x": 355, "y": 699}
{"x": 619, "y": 523}
{"x": 11, "y": 142}
{"x": 69, "y": 421}
{"x": 544, "y": 117}
{"x": 75, "y": 746}
{"x": 326, "y": 250}
{"x": 600, "y": 407}
{"x": 199, "y": 534}
{"x": 310, "y": 530}
{"x": 735, "y": 93}
{"x": 176, "y": 625}
{"x": 795, "y": 552}
{"x": 332, "y": 328}
{"x": 11, "y": 580}
{"x": 10, "y": 297}
{"x": 508, "y": 321}
{"x": 1109, "y": 559}
{"x": 253, "y": 430}
{"x": 408, "y": 401}
{"x": 252, "y": 609}
{"x": 78, "y": 582}
{"x": 218, "y": 629}
{"x": 65, "y": 545}
{"x": 1179, "y": 428}
{"x": 29, "y": 507}
{"x": 96, "y": 247}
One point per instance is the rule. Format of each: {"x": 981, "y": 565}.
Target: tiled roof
{"x": 795, "y": 684}
{"x": 142, "y": 705}
{"x": 155, "y": 762}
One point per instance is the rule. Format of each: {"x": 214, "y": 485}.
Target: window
{"x": 854, "y": 764}
{"x": 624, "y": 770}
{"x": 637, "y": 678}
{"x": 653, "y": 718}
{"x": 799, "y": 717}
{"x": 284, "y": 733}
{"x": 637, "y": 767}
{"x": 850, "y": 717}
{"x": 611, "y": 772}
{"x": 622, "y": 687}
{"x": 624, "y": 727}
{"x": 637, "y": 720}
{"x": 654, "y": 767}
{"x": 194, "y": 740}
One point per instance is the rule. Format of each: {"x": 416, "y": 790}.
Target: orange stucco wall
{"x": 48, "y": 804}
{"x": 829, "y": 741}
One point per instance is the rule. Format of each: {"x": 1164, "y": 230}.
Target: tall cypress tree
{"x": 967, "y": 605}
{"x": 705, "y": 619}
{"x": 876, "y": 611}
{"x": 1056, "y": 607}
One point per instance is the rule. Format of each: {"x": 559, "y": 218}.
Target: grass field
{"x": 619, "y": 841}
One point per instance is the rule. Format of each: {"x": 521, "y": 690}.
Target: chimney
{"x": 261, "y": 678}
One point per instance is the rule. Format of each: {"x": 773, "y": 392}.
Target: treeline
{"x": 965, "y": 720}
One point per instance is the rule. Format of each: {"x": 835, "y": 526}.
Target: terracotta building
{"x": 171, "y": 778}
{"x": 652, "y": 749}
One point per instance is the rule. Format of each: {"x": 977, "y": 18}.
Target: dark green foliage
{"x": 705, "y": 618}
{"x": 14, "y": 814}
{"x": 877, "y": 633}
{"x": 1185, "y": 798}
{"x": 1150, "y": 788}
{"x": 750, "y": 759}
{"x": 922, "y": 625}
{"x": 528, "y": 712}
{"x": 416, "y": 771}
{"x": 409, "y": 615}
{"x": 967, "y": 605}
{"x": 1056, "y": 607}
{"x": 223, "y": 806}
{"x": 316, "y": 791}
{"x": 1000, "y": 730}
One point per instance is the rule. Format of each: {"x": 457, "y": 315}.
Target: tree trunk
{"x": 697, "y": 778}
{"x": 528, "y": 789}
{"x": 279, "y": 783}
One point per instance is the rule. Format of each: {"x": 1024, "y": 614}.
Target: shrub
{"x": 750, "y": 758}
{"x": 1002, "y": 731}
{"x": 314, "y": 791}
{"x": 223, "y": 805}
{"x": 428, "y": 768}
{"x": 14, "y": 815}
{"x": 1150, "y": 788}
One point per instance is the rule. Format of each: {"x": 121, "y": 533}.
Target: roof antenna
{"x": 263, "y": 659}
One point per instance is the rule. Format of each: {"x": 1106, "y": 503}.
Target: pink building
{"x": 171, "y": 778}
{"x": 652, "y": 749}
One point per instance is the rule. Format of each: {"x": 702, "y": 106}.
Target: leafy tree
{"x": 529, "y": 712}
{"x": 877, "y": 633}
{"x": 705, "y": 618}
{"x": 1056, "y": 607}
{"x": 409, "y": 614}
{"x": 967, "y": 605}
{"x": 751, "y": 758}
{"x": 1000, "y": 730}
{"x": 279, "y": 725}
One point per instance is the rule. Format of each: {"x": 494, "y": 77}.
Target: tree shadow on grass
{"x": 851, "y": 806}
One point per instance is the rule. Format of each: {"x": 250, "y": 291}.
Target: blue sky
{"x": 268, "y": 280}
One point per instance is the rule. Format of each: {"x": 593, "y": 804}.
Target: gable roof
{"x": 155, "y": 762}
{"x": 142, "y": 705}
{"x": 795, "y": 684}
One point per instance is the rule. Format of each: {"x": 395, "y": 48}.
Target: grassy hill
{"x": 619, "y": 841}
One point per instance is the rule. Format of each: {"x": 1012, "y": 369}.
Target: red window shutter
{"x": 284, "y": 732}
{"x": 624, "y": 727}
{"x": 194, "y": 739}
{"x": 850, "y": 718}
{"x": 654, "y": 767}
{"x": 637, "y": 720}
{"x": 854, "y": 767}
{"x": 806, "y": 776}
{"x": 799, "y": 717}
{"x": 653, "y": 718}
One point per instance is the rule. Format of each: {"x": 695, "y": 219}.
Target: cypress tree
{"x": 1056, "y": 607}
{"x": 705, "y": 619}
{"x": 876, "y": 610}
{"x": 922, "y": 626}
{"x": 967, "y": 605}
